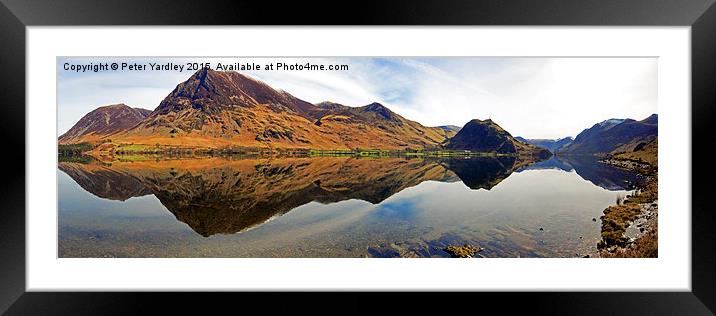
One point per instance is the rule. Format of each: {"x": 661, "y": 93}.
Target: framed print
{"x": 475, "y": 150}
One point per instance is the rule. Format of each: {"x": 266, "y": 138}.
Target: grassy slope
{"x": 648, "y": 154}
{"x": 264, "y": 128}
{"x": 617, "y": 218}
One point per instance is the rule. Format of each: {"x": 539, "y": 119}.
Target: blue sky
{"x": 529, "y": 97}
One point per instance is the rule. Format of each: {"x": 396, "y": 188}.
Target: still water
{"x": 334, "y": 207}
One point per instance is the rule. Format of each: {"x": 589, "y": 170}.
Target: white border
{"x": 671, "y": 271}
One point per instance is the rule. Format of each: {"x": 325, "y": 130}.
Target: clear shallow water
{"x": 334, "y": 207}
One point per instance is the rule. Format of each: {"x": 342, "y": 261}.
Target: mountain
{"x": 487, "y": 136}
{"x": 614, "y": 135}
{"x": 549, "y": 144}
{"x": 450, "y": 128}
{"x": 377, "y": 124}
{"x": 214, "y": 109}
{"x": 102, "y": 122}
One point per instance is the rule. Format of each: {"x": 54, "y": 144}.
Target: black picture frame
{"x": 16, "y": 15}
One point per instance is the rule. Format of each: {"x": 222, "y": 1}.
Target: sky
{"x": 529, "y": 97}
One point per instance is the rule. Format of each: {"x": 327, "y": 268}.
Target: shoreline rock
{"x": 630, "y": 228}
{"x": 466, "y": 251}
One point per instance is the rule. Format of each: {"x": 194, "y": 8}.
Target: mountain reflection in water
{"x": 217, "y": 195}
{"x": 590, "y": 169}
{"x": 223, "y": 196}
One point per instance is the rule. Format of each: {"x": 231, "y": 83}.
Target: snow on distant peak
{"x": 611, "y": 122}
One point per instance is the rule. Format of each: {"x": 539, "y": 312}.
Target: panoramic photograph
{"x": 357, "y": 157}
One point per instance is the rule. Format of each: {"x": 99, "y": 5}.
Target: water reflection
{"x": 217, "y": 195}
{"x": 333, "y": 206}
{"x": 590, "y": 169}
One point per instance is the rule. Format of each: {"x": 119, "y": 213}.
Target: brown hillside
{"x": 102, "y": 122}
{"x": 227, "y": 109}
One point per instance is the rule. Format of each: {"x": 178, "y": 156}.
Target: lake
{"x": 334, "y": 206}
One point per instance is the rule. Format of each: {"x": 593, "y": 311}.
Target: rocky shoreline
{"x": 630, "y": 227}
{"x": 626, "y": 164}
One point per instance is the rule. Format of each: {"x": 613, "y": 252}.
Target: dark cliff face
{"x": 610, "y": 135}
{"x": 104, "y": 121}
{"x": 483, "y": 136}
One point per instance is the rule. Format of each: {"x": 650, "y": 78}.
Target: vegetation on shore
{"x": 643, "y": 203}
{"x": 646, "y": 246}
{"x": 615, "y": 221}
{"x": 131, "y": 151}
{"x": 644, "y": 153}
{"x": 73, "y": 149}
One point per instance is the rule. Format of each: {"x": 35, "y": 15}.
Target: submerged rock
{"x": 466, "y": 251}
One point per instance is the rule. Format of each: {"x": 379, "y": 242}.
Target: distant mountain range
{"x": 221, "y": 109}
{"x": 613, "y": 136}
{"x": 450, "y": 128}
{"x": 214, "y": 109}
{"x": 549, "y": 144}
